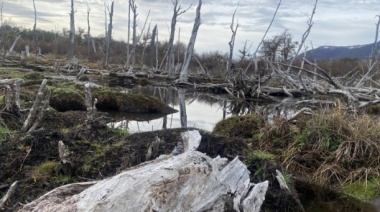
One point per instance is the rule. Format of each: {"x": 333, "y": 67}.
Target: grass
{"x": 332, "y": 147}
{"x": 364, "y": 190}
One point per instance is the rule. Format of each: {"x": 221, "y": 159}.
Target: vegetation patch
{"x": 364, "y": 190}
{"x": 132, "y": 103}
{"x": 67, "y": 97}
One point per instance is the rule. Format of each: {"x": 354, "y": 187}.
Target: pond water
{"x": 202, "y": 110}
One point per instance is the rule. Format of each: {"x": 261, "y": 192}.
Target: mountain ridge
{"x": 339, "y": 52}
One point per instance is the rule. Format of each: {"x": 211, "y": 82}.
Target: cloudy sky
{"x": 336, "y": 22}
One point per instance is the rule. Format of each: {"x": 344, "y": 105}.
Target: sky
{"x": 336, "y": 22}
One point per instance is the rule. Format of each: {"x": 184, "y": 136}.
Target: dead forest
{"x": 278, "y": 69}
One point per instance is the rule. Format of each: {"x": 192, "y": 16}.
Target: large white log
{"x": 191, "y": 181}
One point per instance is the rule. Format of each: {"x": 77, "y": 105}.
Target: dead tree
{"x": 88, "y": 32}
{"x": 176, "y": 13}
{"x": 13, "y": 45}
{"x": 34, "y": 29}
{"x": 12, "y": 95}
{"x": 305, "y": 34}
{"x": 127, "y": 63}
{"x": 254, "y": 58}
{"x": 134, "y": 30}
{"x": 109, "y": 37}
{"x": 152, "y": 47}
{"x": 34, "y": 117}
{"x": 190, "y": 47}
{"x": 233, "y": 28}
{"x": 70, "y": 54}
{"x": 373, "y": 60}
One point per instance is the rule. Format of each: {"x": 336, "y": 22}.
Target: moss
{"x": 362, "y": 189}
{"x": 44, "y": 170}
{"x": 67, "y": 97}
{"x": 240, "y": 126}
{"x": 133, "y": 103}
{"x": 260, "y": 155}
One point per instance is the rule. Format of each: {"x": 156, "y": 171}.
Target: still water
{"x": 202, "y": 110}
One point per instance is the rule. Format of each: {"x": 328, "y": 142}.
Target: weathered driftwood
{"x": 12, "y": 96}
{"x": 190, "y": 181}
{"x": 32, "y": 117}
{"x": 9, "y": 194}
{"x": 64, "y": 153}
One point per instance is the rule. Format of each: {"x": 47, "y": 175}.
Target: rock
{"x": 190, "y": 181}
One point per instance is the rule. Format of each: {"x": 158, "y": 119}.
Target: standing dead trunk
{"x": 233, "y": 28}
{"x": 152, "y": 47}
{"x": 190, "y": 47}
{"x": 134, "y": 31}
{"x": 34, "y": 28}
{"x": 109, "y": 38}
{"x": 88, "y": 32}
{"x": 127, "y": 63}
{"x": 70, "y": 54}
{"x": 176, "y": 13}
{"x": 373, "y": 60}
{"x": 13, "y": 45}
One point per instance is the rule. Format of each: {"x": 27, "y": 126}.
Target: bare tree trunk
{"x": 152, "y": 46}
{"x": 233, "y": 28}
{"x": 70, "y": 54}
{"x": 109, "y": 37}
{"x": 157, "y": 50}
{"x": 34, "y": 110}
{"x": 127, "y": 63}
{"x": 373, "y": 59}
{"x": 88, "y": 32}
{"x": 305, "y": 35}
{"x": 34, "y": 28}
{"x": 176, "y": 12}
{"x": 254, "y": 58}
{"x": 134, "y": 30}
{"x": 13, "y": 45}
{"x": 190, "y": 47}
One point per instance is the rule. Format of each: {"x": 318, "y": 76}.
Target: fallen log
{"x": 190, "y": 181}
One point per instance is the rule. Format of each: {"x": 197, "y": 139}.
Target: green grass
{"x": 362, "y": 189}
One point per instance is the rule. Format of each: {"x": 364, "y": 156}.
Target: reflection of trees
{"x": 182, "y": 106}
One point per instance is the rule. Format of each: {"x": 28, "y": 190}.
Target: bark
{"x": 109, "y": 38}
{"x": 374, "y": 59}
{"x": 231, "y": 44}
{"x": 190, "y": 181}
{"x": 134, "y": 31}
{"x": 13, "y": 45}
{"x": 182, "y": 106}
{"x": 254, "y": 58}
{"x": 176, "y": 13}
{"x": 34, "y": 28}
{"x": 88, "y": 32}
{"x": 9, "y": 194}
{"x": 190, "y": 47}
{"x": 34, "y": 110}
{"x": 70, "y": 54}
{"x": 152, "y": 48}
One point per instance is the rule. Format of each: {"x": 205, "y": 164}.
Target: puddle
{"x": 202, "y": 111}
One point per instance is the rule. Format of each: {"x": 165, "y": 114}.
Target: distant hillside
{"x": 337, "y": 52}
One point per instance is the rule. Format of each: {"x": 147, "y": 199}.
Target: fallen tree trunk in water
{"x": 190, "y": 181}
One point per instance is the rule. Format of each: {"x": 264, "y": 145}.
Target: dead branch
{"x": 9, "y": 194}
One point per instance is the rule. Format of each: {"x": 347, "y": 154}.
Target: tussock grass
{"x": 332, "y": 147}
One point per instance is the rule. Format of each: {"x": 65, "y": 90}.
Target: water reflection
{"x": 200, "y": 110}
{"x": 195, "y": 110}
